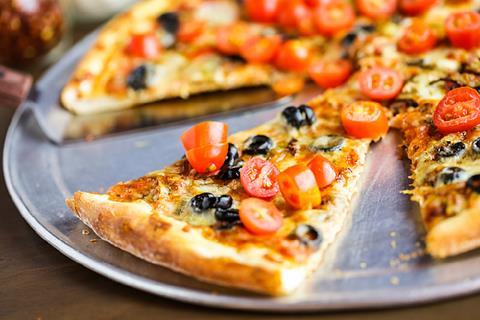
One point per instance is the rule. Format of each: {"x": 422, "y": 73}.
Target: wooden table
{"x": 38, "y": 282}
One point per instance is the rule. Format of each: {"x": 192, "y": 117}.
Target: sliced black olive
{"x": 259, "y": 144}
{"x": 449, "y": 84}
{"x": 369, "y": 28}
{"x": 451, "y": 149}
{"x": 137, "y": 79}
{"x": 451, "y": 175}
{"x": 293, "y": 116}
{"x": 473, "y": 183}
{"x": 328, "y": 143}
{"x": 203, "y": 201}
{"x": 232, "y": 155}
{"x": 476, "y": 145}
{"x": 169, "y": 21}
{"x": 229, "y": 173}
{"x": 224, "y": 202}
{"x": 231, "y": 167}
{"x": 349, "y": 39}
{"x": 227, "y": 215}
{"x": 308, "y": 235}
{"x": 308, "y": 114}
{"x": 225, "y": 225}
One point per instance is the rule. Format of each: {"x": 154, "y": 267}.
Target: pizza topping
{"x": 259, "y": 144}
{"x": 299, "y": 187}
{"x": 416, "y": 7}
{"x": 330, "y": 73}
{"x": 458, "y": 111}
{"x": 294, "y": 55}
{"x": 476, "y": 146}
{"x": 232, "y": 165}
{"x": 380, "y": 83}
{"x": 203, "y": 202}
{"x": 299, "y": 116}
{"x": 418, "y": 38}
{"x": 169, "y": 22}
{"x": 308, "y": 235}
{"x": 227, "y": 215}
{"x": 332, "y": 17}
{"x": 288, "y": 85}
{"x": 451, "y": 175}
{"x": 376, "y": 9}
{"x": 259, "y": 178}
{"x": 137, "y": 79}
{"x": 364, "y": 119}
{"x": 224, "y": 202}
{"x": 144, "y": 46}
{"x": 261, "y": 49}
{"x": 189, "y": 31}
{"x": 463, "y": 29}
{"x": 328, "y": 143}
{"x": 262, "y": 10}
{"x": 260, "y": 217}
{"x": 324, "y": 171}
{"x": 229, "y": 39}
{"x": 450, "y": 149}
{"x": 473, "y": 183}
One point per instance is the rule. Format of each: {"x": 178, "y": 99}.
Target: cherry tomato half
{"x": 260, "y": 49}
{"x": 416, "y": 7}
{"x": 260, "y": 217}
{"x": 376, "y": 9}
{"x": 209, "y": 158}
{"x": 231, "y": 38}
{"x": 334, "y": 16}
{"x": 418, "y": 38}
{"x": 294, "y": 55}
{"x": 299, "y": 187}
{"x": 364, "y": 119}
{"x": 458, "y": 111}
{"x": 463, "y": 29}
{"x": 189, "y": 31}
{"x": 292, "y": 11}
{"x": 289, "y": 85}
{"x": 144, "y": 46}
{"x": 330, "y": 74}
{"x": 262, "y": 10}
{"x": 381, "y": 83}
{"x": 324, "y": 171}
{"x": 259, "y": 178}
{"x": 204, "y": 134}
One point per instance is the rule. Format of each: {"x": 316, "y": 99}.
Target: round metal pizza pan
{"x": 378, "y": 260}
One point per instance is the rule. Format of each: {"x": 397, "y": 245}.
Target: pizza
{"x": 258, "y": 209}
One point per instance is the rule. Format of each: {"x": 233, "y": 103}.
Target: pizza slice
{"x": 255, "y": 213}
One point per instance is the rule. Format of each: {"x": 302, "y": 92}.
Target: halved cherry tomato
{"x": 299, "y": 187}
{"x": 306, "y": 24}
{"x": 289, "y": 85}
{"x": 418, "y": 38}
{"x": 463, "y": 29}
{"x": 144, "y": 46}
{"x": 262, "y": 10}
{"x": 290, "y": 12}
{"x": 328, "y": 73}
{"x": 364, "y": 119}
{"x": 209, "y": 158}
{"x": 416, "y": 7}
{"x": 458, "y": 111}
{"x": 260, "y": 217}
{"x": 189, "y": 31}
{"x": 376, "y": 9}
{"x": 205, "y": 134}
{"x": 259, "y": 178}
{"x": 231, "y": 38}
{"x": 324, "y": 171}
{"x": 334, "y": 16}
{"x": 381, "y": 83}
{"x": 294, "y": 55}
{"x": 260, "y": 49}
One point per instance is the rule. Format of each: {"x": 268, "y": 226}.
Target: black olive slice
{"x": 308, "y": 114}
{"x": 473, "y": 183}
{"x": 230, "y": 173}
{"x": 293, "y": 117}
{"x": 328, "y": 143}
{"x": 203, "y": 201}
{"x": 224, "y": 202}
{"x": 137, "y": 79}
{"x": 259, "y": 144}
{"x": 227, "y": 215}
{"x": 169, "y": 21}
{"x": 232, "y": 155}
{"x": 476, "y": 146}
{"x": 451, "y": 175}
{"x": 450, "y": 149}
{"x": 308, "y": 235}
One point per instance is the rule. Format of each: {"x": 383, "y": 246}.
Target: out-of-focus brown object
{"x": 14, "y": 87}
{"x": 29, "y": 29}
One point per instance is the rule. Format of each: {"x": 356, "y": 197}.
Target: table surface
{"x": 38, "y": 282}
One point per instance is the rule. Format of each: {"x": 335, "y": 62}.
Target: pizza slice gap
{"x": 155, "y": 218}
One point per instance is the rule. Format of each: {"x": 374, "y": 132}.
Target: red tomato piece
{"x": 260, "y": 49}
{"x": 364, "y": 119}
{"x": 294, "y": 55}
{"x": 189, "y": 31}
{"x": 324, "y": 171}
{"x": 259, "y": 178}
{"x": 416, "y": 7}
{"x": 299, "y": 187}
{"x": 262, "y": 10}
{"x": 463, "y": 29}
{"x": 209, "y": 158}
{"x": 330, "y": 74}
{"x": 376, "y": 9}
{"x": 458, "y": 111}
{"x": 144, "y": 46}
{"x": 290, "y": 12}
{"x": 289, "y": 85}
{"x": 260, "y": 217}
{"x": 205, "y": 134}
{"x": 418, "y": 38}
{"x": 334, "y": 16}
{"x": 381, "y": 83}
{"x": 231, "y": 38}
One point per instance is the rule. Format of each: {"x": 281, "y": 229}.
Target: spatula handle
{"x": 14, "y": 87}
